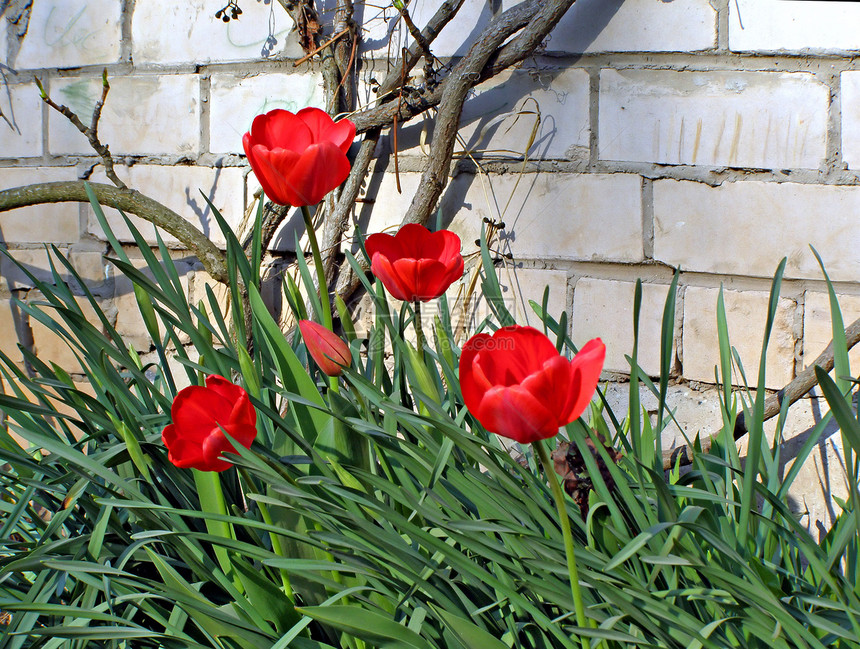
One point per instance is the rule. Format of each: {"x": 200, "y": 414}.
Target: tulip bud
{"x": 329, "y": 351}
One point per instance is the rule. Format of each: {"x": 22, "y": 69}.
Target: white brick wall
{"x": 850, "y": 102}
{"x": 147, "y": 114}
{"x": 21, "y": 136}
{"x": 604, "y": 309}
{"x": 774, "y": 25}
{"x": 48, "y": 223}
{"x": 561, "y": 98}
{"x": 636, "y": 26}
{"x": 746, "y": 314}
{"x": 200, "y": 37}
{"x": 235, "y": 101}
{"x": 737, "y": 119}
{"x": 745, "y": 228}
{"x": 179, "y": 189}
{"x": 71, "y": 34}
{"x": 817, "y": 327}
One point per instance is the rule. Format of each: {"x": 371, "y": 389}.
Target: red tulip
{"x": 517, "y": 385}
{"x": 329, "y": 352}
{"x": 298, "y": 158}
{"x": 415, "y": 264}
{"x": 195, "y": 439}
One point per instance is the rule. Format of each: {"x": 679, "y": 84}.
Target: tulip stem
{"x": 419, "y": 330}
{"x": 325, "y": 299}
{"x": 212, "y": 502}
{"x": 557, "y": 493}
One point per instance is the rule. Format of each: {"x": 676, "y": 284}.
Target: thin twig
{"x": 414, "y": 31}
{"x": 90, "y": 132}
{"x": 321, "y": 47}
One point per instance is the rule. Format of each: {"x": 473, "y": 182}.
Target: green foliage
{"x": 421, "y": 532}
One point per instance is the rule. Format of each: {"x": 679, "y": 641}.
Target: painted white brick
{"x": 21, "y": 105}
{"x": 50, "y": 346}
{"x": 725, "y": 118}
{"x": 384, "y": 33}
{"x": 746, "y": 228}
{"x": 774, "y": 26}
{"x": 71, "y": 34}
{"x": 143, "y": 115}
{"x": 549, "y": 216}
{"x": 604, "y": 309}
{"x": 561, "y": 97}
{"x": 635, "y": 26}
{"x": 194, "y": 34}
{"x": 48, "y": 223}
{"x": 850, "y": 100}
{"x": 817, "y": 327}
{"x": 3, "y": 45}
{"x": 179, "y": 189}
{"x": 746, "y": 315}
{"x": 11, "y": 330}
{"x": 500, "y": 116}
{"x": 129, "y": 321}
{"x": 388, "y": 207}
{"x": 35, "y": 261}
{"x": 519, "y": 287}
{"x": 235, "y": 101}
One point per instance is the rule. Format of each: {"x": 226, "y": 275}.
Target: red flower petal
{"x": 329, "y": 351}
{"x": 280, "y": 129}
{"x": 515, "y": 413}
{"x": 320, "y": 169}
{"x": 473, "y": 382}
{"x": 217, "y": 443}
{"x": 586, "y": 367}
{"x": 324, "y": 129}
{"x": 383, "y": 244}
{"x": 271, "y": 169}
{"x": 393, "y": 282}
{"x": 196, "y": 410}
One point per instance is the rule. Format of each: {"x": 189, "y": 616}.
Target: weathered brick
{"x": 519, "y": 286}
{"x": 51, "y": 347}
{"x": 635, "y": 26}
{"x": 817, "y": 327}
{"x": 850, "y": 101}
{"x": 746, "y": 314}
{"x": 551, "y": 216}
{"x": 47, "y": 223}
{"x": 561, "y": 97}
{"x": 12, "y": 329}
{"x": 197, "y": 36}
{"x": 236, "y": 100}
{"x": 384, "y": 33}
{"x": 34, "y": 261}
{"x": 21, "y": 105}
{"x": 775, "y": 26}
{"x": 739, "y": 119}
{"x": 749, "y": 226}
{"x": 179, "y": 189}
{"x": 143, "y": 115}
{"x": 604, "y": 309}
{"x": 129, "y": 321}
{"x": 501, "y": 114}
{"x": 71, "y": 34}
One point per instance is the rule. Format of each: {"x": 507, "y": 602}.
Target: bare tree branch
{"x": 127, "y": 200}
{"x": 91, "y": 132}
{"x": 536, "y": 18}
